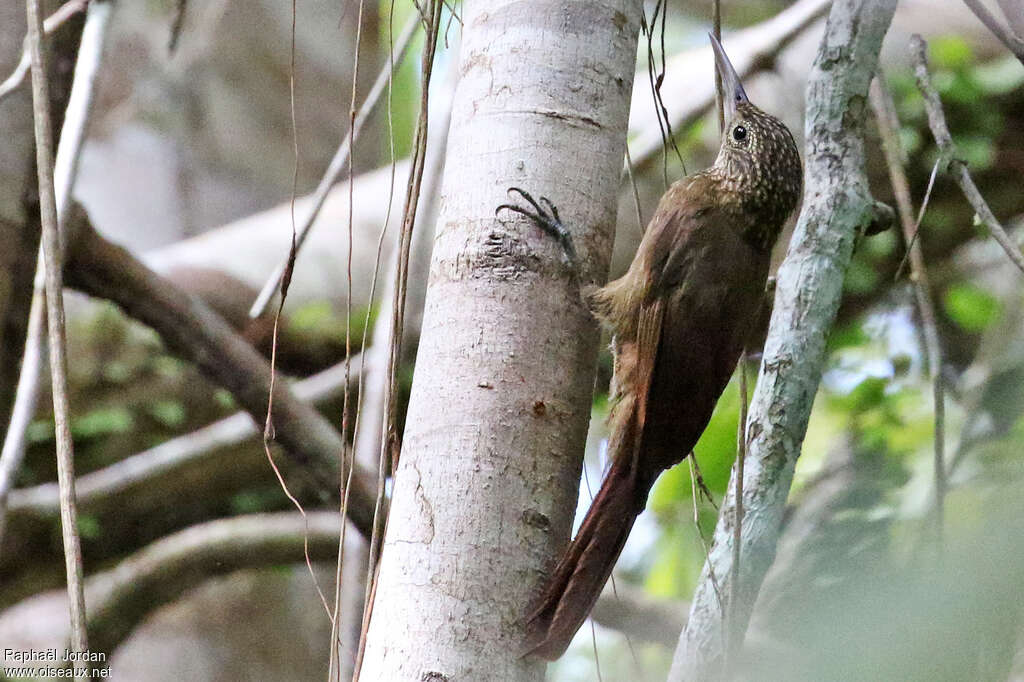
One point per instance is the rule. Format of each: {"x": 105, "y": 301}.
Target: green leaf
{"x": 40, "y": 431}
{"x": 89, "y": 526}
{"x": 849, "y": 335}
{"x": 950, "y": 52}
{"x": 861, "y": 277}
{"x": 970, "y": 307}
{"x": 224, "y": 399}
{"x": 977, "y": 151}
{"x": 868, "y": 394}
{"x": 247, "y": 502}
{"x": 102, "y": 422}
{"x": 170, "y": 413}
{"x": 1000, "y": 76}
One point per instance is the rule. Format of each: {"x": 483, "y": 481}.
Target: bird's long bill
{"x": 732, "y": 90}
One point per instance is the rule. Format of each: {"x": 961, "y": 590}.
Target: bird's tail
{"x": 584, "y": 568}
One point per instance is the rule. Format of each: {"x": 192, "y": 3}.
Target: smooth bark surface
{"x": 837, "y": 208}
{"x": 502, "y": 390}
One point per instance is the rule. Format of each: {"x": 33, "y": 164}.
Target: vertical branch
{"x": 347, "y": 453}
{"x": 837, "y": 207}
{"x": 389, "y": 440}
{"x": 55, "y": 320}
{"x": 885, "y": 115}
{"x": 734, "y": 633}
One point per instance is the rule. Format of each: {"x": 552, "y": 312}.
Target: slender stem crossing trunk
{"x": 498, "y": 415}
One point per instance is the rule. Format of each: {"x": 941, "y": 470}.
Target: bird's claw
{"x": 544, "y": 214}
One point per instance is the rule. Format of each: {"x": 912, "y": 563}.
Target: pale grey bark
{"x": 505, "y": 366}
{"x": 837, "y": 207}
{"x": 1014, "y": 12}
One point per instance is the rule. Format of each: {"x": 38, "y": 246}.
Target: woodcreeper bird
{"x": 680, "y": 318}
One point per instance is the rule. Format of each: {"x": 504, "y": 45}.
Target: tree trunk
{"x": 837, "y": 207}
{"x": 501, "y": 396}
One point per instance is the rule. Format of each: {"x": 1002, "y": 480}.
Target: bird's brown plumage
{"x": 680, "y": 317}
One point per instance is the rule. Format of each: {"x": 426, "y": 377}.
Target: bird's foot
{"x": 544, "y": 215}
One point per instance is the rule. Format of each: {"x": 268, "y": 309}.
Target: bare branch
{"x": 1013, "y": 10}
{"x": 1005, "y": 35}
{"x": 174, "y": 457}
{"x": 52, "y": 23}
{"x": 956, "y": 167}
{"x": 194, "y": 332}
{"x": 337, "y": 165}
{"x": 837, "y": 207}
{"x": 121, "y": 598}
{"x": 885, "y": 116}
{"x": 57, "y": 339}
{"x": 751, "y": 50}
{"x": 631, "y": 611}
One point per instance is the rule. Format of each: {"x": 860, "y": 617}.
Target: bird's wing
{"x": 648, "y": 337}
{"x": 674, "y": 236}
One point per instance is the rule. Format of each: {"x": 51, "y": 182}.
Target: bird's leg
{"x": 544, "y": 215}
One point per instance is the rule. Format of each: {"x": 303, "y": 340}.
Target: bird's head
{"x": 758, "y": 159}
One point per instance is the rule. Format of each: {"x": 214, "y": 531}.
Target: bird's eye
{"x": 739, "y": 133}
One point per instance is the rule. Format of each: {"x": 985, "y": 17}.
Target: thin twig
{"x": 177, "y": 22}
{"x": 389, "y": 434}
{"x": 733, "y": 634}
{"x": 69, "y": 150}
{"x": 751, "y": 50}
{"x": 656, "y": 78}
{"x": 597, "y": 660}
{"x": 286, "y": 278}
{"x": 347, "y": 453}
{"x": 370, "y": 401}
{"x": 365, "y": 440}
{"x": 697, "y": 484}
{"x": 55, "y": 322}
{"x": 1012, "y": 42}
{"x": 52, "y": 23}
{"x": 636, "y": 193}
{"x": 956, "y": 167}
{"x": 920, "y": 217}
{"x": 886, "y": 117}
{"x": 336, "y": 167}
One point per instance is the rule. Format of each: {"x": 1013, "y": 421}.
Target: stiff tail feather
{"x": 580, "y": 575}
